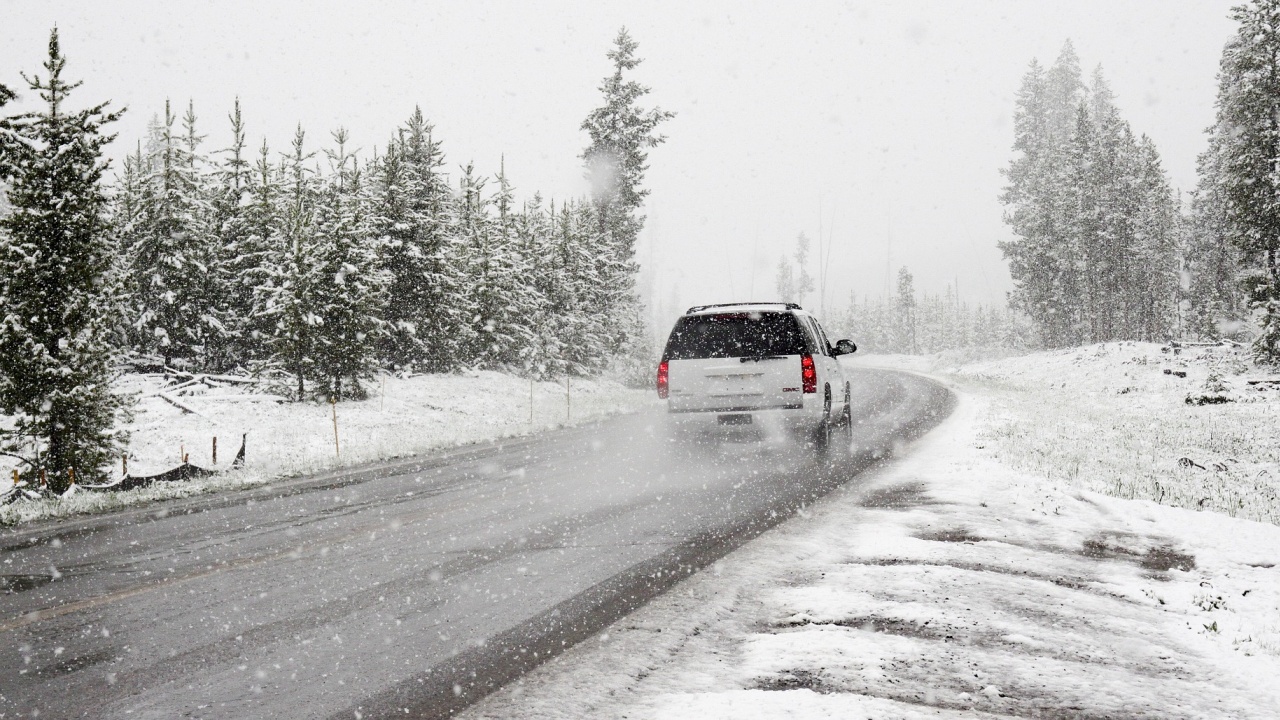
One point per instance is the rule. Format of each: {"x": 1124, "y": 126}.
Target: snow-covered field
{"x": 402, "y": 417}
{"x": 1001, "y": 569}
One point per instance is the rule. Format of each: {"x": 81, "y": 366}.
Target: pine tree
{"x": 905, "y": 306}
{"x": 785, "y": 281}
{"x": 1094, "y": 257}
{"x": 1154, "y": 267}
{"x": 172, "y": 253}
{"x": 803, "y": 280}
{"x": 622, "y": 133}
{"x": 1211, "y": 262}
{"x": 534, "y": 229}
{"x": 348, "y": 286}
{"x": 505, "y": 302}
{"x": 1246, "y": 142}
{"x": 291, "y": 300}
{"x": 58, "y": 285}
{"x": 411, "y": 213}
{"x": 1035, "y": 210}
{"x": 237, "y": 257}
{"x": 258, "y": 269}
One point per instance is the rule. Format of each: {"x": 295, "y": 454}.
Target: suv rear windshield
{"x": 726, "y": 335}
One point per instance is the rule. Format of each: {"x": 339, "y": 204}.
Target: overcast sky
{"x": 863, "y": 119}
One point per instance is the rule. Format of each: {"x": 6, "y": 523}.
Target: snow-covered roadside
{"x": 402, "y": 417}
{"x": 948, "y": 584}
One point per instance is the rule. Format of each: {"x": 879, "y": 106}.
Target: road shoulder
{"x": 946, "y": 584}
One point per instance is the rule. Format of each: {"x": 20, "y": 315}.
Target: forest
{"x": 311, "y": 267}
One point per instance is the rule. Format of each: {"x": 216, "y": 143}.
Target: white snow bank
{"x": 402, "y": 417}
{"x": 955, "y": 584}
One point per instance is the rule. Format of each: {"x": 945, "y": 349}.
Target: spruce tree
{"x": 1094, "y": 257}
{"x": 411, "y": 212}
{"x": 172, "y": 253}
{"x": 290, "y": 291}
{"x": 348, "y": 290}
{"x": 236, "y": 257}
{"x": 1246, "y": 140}
{"x": 1211, "y": 262}
{"x": 534, "y": 236}
{"x": 803, "y": 280}
{"x": 621, "y": 133}
{"x": 905, "y": 320}
{"x": 59, "y": 286}
{"x": 258, "y": 267}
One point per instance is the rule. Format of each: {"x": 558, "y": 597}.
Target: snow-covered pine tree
{"x": 534, "y": 228}
{"x": 290, "y": 290}
{"x": 905, "y": 313}
{"x": 784, "y": 281}
{"x": 803, "y": 280}
{"x": 1246, "y": 141}
{"x": 349, "y": 287}
{"x": 1034, "y": 209}
{"x": 1211, "y": 262}
{"x": 514, "y": 300}
{"x": 259, "y": 268}
{"x": 411, "y": 212}
{"x": 1153, "y": 269}
{"x": 1079, "y": 257}
{"x": 59, "y": 285}
{"x": 238, "y": 256}
{"x": 172, "y": 251}
{"x": 479, "y": 263}
{"x": 621, "y": 133}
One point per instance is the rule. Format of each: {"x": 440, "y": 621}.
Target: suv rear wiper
{"x": 758, "y": 358}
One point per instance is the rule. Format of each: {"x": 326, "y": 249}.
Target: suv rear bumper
{"x": 804, "y": 415}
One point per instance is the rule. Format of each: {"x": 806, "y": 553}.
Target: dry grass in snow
{"x": 1108, "y": 418}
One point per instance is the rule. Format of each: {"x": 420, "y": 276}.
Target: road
{"x": 409, "y": 589}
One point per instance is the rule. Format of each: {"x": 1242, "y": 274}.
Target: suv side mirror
{"x": 845, "y": 347}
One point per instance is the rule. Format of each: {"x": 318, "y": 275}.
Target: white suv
{"x": 767, "y": 364}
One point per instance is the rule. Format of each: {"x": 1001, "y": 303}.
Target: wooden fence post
{"x": 215, "y": 449}
{"x": 333, "y": 403}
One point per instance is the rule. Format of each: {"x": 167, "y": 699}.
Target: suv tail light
{"x": 808, "y": 374}
{"x": 662, "y": 380}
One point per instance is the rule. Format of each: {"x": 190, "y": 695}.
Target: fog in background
{"x": 880, "y": 126}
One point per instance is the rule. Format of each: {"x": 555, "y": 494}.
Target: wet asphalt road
{"x": 415, "y": 586}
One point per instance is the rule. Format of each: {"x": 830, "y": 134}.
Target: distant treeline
{"x": 925, "y": 324}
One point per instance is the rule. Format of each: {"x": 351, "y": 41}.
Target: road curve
{"x": 410, "y": 589}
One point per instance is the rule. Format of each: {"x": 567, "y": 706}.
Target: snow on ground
{"x": 1115, "y": 419}
{"x": 402, "y": 417}
{"x": 967, "y": 580}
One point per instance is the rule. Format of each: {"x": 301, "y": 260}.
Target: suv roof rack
{"x": 700, "y": 308}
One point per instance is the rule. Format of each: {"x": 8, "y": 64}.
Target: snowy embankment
{"x": 402, "y": 417}
{"x": 984, "y": 574}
